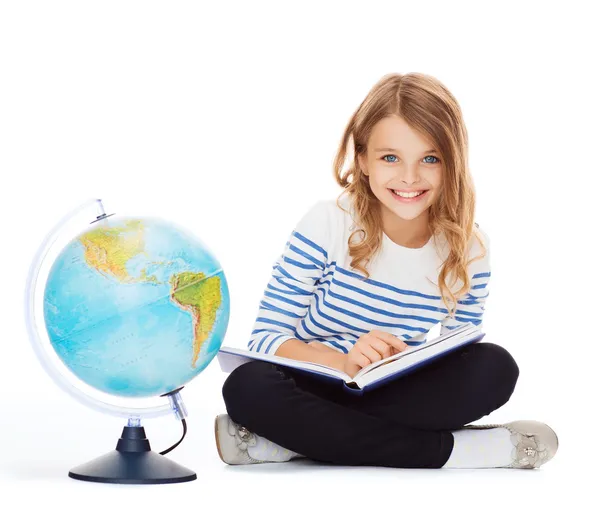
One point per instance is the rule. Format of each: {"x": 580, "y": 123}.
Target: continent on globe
{"x": 108, "y": 249}
{"x": 135, "y": 306}
{"x": 201, "y": 296}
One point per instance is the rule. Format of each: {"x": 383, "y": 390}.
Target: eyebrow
{"x": 432, "y": 151}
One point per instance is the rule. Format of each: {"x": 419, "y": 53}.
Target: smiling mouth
{"x": 409, "y": 195}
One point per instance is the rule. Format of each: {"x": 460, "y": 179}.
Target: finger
{"x": 360, "y": 359}
{"x": 390, "y": 339}
{"x": 384, "y": 349}
{"x": 367, "y": 350}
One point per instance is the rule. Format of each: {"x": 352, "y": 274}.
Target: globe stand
{"x": 133, "y": 461}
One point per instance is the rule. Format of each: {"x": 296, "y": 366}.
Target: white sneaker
{"x": 235, "y": 443}
{"x": 535, "y": 443}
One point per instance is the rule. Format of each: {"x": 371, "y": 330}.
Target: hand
{"x": 372, "y": 347}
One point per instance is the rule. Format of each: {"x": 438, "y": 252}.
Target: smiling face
{"x": 401, "y": 159}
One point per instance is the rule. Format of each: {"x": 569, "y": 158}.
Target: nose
{"x": 410, "y": 175}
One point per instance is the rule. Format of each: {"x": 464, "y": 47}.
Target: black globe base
{"x": 132, "y": 463}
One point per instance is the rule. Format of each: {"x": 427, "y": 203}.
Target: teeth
{"x": 408, "y": 195}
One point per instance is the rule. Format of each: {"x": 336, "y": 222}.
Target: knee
{"x": 245, "y": 388}
{"x": 501, "y": 368}
{"x": 244, "y": 381}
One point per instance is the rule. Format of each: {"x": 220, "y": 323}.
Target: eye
{"x": 437, "y": 160}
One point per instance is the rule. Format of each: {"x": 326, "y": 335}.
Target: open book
{"x": 371, "y": 376}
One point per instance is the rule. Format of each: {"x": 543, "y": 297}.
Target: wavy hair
{"x": 429, "y": 108}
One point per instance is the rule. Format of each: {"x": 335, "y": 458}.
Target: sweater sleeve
{"x": 470, "y": 307}
{"x": 293, "y": 280}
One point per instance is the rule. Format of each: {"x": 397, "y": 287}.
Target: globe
{"x": 136, "y": 307}
{"x": 133, "y": 308}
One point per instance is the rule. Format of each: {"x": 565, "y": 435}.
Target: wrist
{"x": 332, "y": 359}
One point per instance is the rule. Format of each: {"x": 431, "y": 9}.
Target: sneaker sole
{"x": 217, "y": 439}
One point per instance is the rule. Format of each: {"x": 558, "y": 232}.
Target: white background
{"x": 225, "y": 117}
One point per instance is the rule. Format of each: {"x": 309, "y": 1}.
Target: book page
{"x": 419, "y": 355}
{"x": 229, "y": 358}
{"x": 459, "y": 330}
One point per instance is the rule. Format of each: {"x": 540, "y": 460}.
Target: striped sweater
{"x": 314, "y": 295}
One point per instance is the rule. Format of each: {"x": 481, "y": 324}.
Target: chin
{"x": 409, "y": 217}
{"x": 406, "y": 211}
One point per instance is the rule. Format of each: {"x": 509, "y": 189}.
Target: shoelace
{"x": 243, "y": 436}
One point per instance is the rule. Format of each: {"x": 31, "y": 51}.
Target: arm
{"x": 471, "y": 306}
{"x": 291, "y": 288}
{"x": 312, "y": 352}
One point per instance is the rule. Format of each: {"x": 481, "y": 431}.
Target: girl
{"x": 362, "y": 277}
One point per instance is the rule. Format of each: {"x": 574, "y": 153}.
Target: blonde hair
{"x": 429, "y": 108}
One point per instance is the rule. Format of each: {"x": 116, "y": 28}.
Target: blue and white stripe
{"x": 288, "y": 294}
{"x": 311, "y": 298}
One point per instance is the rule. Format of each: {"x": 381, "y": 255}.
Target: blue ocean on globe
{"x": 136, "y": 307}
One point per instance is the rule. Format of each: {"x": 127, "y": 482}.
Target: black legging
{"x": 405, "y": 423}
